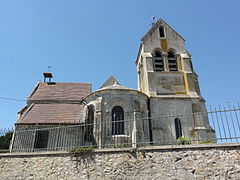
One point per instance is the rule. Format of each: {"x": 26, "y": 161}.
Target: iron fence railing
{"x": 226, "y": 123}
{"x": 219, "y": 125}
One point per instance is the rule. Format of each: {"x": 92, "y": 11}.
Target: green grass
{"x": 82, "y": 150}
{"x": 206, "y": 142}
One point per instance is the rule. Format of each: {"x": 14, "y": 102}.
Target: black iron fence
{"x": 226, "y": 123}
{"x": 219, "y": 125}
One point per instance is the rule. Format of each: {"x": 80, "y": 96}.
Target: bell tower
{"x": 164, "y": 65}
{"x": 166, "y": 75}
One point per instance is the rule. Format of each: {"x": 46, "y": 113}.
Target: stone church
{"x": 167, "y": 105}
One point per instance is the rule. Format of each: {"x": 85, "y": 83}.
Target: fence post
{"x": 57, "y": 138}
{"x": 134, "y": 132}
{"x": 34, "y": 137}
{"x": 12, "y": 141}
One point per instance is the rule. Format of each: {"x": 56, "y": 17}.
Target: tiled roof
{"x": 52, "y": 113}
{"x": 60, "y": 91}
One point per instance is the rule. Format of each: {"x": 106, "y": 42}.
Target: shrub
{"x": 183, "y": 141}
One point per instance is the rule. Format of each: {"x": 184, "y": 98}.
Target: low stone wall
{"x": 172, "y": 162}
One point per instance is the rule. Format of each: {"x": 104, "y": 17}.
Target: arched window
{"x": 178, "y": 128}
{"x": 161, "y": 32}
{"x": 89, "y": 125}
{"x": 158, "y": 61}
{"x": 172, "y": 61}
{"x": 117, "y": 120}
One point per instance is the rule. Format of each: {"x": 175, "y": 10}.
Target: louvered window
{"x": 172, "y": 61}
{"x": 158, "y": 62}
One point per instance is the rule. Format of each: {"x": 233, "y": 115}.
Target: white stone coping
{"x": 127, "y": 149}
{"x": 147, "y": 55}
{"x": 183, "y": 55}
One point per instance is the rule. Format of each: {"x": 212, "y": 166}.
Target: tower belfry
{"x": 166, "y": 75}
{"x": 164, "y": 65}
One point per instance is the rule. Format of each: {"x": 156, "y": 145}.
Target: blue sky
{"x": 88, "y": 41}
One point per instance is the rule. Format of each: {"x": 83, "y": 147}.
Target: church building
{"x": 167, "y": 105}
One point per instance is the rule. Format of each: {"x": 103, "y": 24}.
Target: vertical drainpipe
{"x": 149, "y": 121}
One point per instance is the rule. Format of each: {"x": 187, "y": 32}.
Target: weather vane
{"x": 49, "y": 67}
{"x": 153, "y": 20}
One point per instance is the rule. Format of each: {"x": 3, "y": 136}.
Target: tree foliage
{"x": 5, "y": 140}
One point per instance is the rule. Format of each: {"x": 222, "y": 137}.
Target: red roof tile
{"x": 52, "y": 113}
{"x": 60, "y": 91}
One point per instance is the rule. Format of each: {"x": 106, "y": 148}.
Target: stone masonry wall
{"x": 173, "y": 162}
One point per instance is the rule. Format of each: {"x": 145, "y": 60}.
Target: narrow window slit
{"x": 161, "y": 32}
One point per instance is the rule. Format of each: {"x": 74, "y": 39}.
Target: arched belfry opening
{"x": 172, "y": 61}
{"x": 158, "y": 61}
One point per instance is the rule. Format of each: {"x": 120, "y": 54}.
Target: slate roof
{"x": 60, "y": 91}
{"x": 52, "y": 114}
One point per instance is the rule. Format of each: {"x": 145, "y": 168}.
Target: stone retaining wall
{"x": 172, "y": 162}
